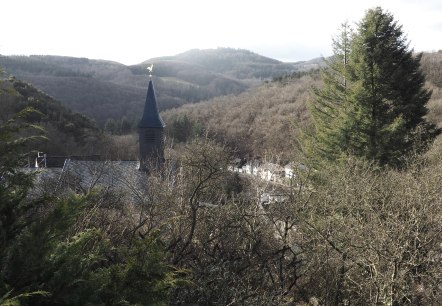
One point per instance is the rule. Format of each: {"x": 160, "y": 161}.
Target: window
{"x": 149, "y": 136}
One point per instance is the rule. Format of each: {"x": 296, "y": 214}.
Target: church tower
{"x": 151, "y": 132}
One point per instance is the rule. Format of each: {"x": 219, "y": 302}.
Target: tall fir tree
{"x": 379, "y": 113}
{"x": 326, "y": 110}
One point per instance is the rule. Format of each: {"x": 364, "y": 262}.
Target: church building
{"x": 151, "y": 133}
{"x": 82, "y": 173}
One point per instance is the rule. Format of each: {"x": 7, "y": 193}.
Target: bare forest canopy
{"x": 259, "y": 122}
{"x": 255, "y": 120}
{"x": 264, "y": 120}
{"x": 108, "y": 90}
{"x": 197, "y": 230}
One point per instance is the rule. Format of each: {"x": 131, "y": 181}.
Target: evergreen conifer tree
{"x": 47, "y": 258}
{"x": 375, "y": 108}
{"x": 330, "y": 99}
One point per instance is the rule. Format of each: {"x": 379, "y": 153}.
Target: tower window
{"x": 149, "y": 136}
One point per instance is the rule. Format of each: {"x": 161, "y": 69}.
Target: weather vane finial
{"x": 149, "y": 68}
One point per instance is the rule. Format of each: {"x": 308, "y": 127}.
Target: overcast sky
{"x": 132, "y": 31}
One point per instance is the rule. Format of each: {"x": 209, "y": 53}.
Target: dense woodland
{"x": 260, "y": 122}
{"x": 108, "y": 90}
{"x": 355, "y": 228}
{"x": 263, "y": 121}
{"x": 66, "y": 132}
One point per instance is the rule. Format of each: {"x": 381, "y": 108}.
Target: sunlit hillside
{"x": 108, "y": 90}
{"x": 264, "y": 120}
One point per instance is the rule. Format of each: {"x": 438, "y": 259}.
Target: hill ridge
{"x": 105, "y": 89}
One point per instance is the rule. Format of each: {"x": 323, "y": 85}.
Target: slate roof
{"x": 83, "y": 175}
{"x": 54, "y": 161}
{"x": 151, "y": 117}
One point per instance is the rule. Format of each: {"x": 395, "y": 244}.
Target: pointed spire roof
{"x": 151, "y": 117}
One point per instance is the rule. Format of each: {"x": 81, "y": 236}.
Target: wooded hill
{"x": 67, "y": 133}
{"x": 104, "y": 89}
{"x": 264, "y": 120}
{"x": 261, "y": 121}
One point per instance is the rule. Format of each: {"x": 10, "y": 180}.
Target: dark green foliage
{"x": 111, "y": 127}
{"x": 143, "y": 280}
{"x": 86, "y": 268}
{"x": 182, "y": 129}
{"x": 330, "y": 132}
{"x": 49, "y": 257}
{"x": 373, "y": 104}
{"x": 14, "y": 184}
{"x": 286, "y": 79}
{"x": 51, "y": 110}
{"x": 126, "y": 126}
{"x": 27, "y": 266}
{"x": 16, "y": 211}
{"x": 123, "y": 126}
{"x": 388, "y": 91}
{"x": 69, "y": 133}
{"x": 233, "y": 185}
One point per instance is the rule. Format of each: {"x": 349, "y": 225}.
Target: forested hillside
{"x": 257, "y": 123}
{"x": 357, "y": 219}
{"x": 238, "y": 64}
{"x": 265, "y": 119}
{"x": 104, "y": 89}
{"x": 67, "y": 133}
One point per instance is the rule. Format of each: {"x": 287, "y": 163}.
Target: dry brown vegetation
{"x": 361, "y": 237}
{"x": 265, "y": 120}
{"x": 259, "y": 122}
{"x": 432, "y": 66}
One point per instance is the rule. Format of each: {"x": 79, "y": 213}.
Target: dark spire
{"x": 151, "y": 117}
{"x": 151, "y": 133}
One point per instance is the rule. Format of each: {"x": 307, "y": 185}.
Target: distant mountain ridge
{"x": 235, "y": 63}
{"x": 105, "y": 89}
